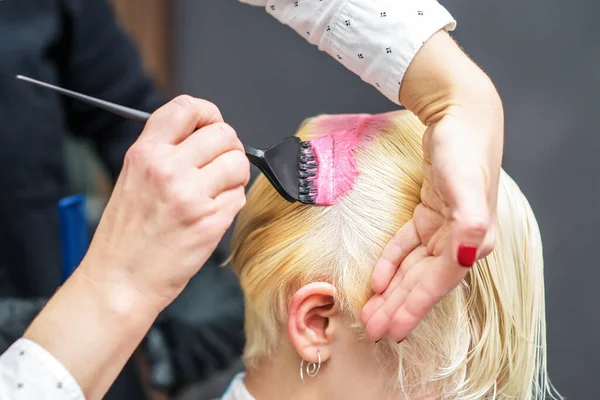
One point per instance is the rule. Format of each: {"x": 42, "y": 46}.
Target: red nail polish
{"x": 466, "y": 256}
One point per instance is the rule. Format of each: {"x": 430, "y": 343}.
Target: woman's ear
{"x": 313, "y": 320}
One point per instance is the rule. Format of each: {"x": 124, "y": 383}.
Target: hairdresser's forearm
{"x": 442, "y": 80}
{"x": 92, "y": 327}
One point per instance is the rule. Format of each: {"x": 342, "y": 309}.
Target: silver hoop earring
{"x": 312, "y": 369}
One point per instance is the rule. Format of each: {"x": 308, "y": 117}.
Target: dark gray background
{"x": 543, "y": 55}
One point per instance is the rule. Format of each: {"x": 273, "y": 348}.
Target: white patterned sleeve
{"x": 376, "y": 39}
{"x": 29, "y": 372}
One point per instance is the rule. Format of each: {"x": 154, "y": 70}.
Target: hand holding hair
{"x": 453, "y": 226}
{"x": 181, "y": 186}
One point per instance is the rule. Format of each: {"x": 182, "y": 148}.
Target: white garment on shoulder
{"x": 30, "y": 372}
{"x": 377, "y": 40}
{"x": 237, "y": 390}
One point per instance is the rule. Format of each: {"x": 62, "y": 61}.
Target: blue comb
{"x": 74, "y": 232}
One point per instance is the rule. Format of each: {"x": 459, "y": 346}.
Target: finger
{"x": 372, "y": 305}
{"x": 443, "y": 276}
{"x": 177, "y": 119}
{"x": 378, "y": 300}
{"x": 411, "y": 260}
{"x": 468, "y": 236}
{"x": 428, "y": 221}
{"x": 227, "y": 171}
{"x": 426, "y": 145}
{"x": 231, "y": 202}
{"x": 208, "y": 143}
{"x": 488, "y": 244}
{"x": 401, "y": 244}
{"x": 466, "y": 192}
{"x": 438, "y": 242}
{"x": 395, "y": 294}
{"x": 412, "y": 257}
{"x": 226, "y": 205}
{"x": 430, "y": 198}
{"x": 379, "y": 323}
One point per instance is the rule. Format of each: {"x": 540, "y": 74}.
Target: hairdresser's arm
{"x": 454, "y": 225}
{"x": 181, "y": 186}
{"x": 101, "y": 60}
{"x": 98, "y": 58}
{"x": 92, "y": 327}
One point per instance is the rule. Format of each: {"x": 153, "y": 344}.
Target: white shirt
{"x": 376, "y": 39}
{"x": 237, "y": 390}
{"x": 29, "y": 372}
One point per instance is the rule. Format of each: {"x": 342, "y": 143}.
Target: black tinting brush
{"x": 289, "y": 165}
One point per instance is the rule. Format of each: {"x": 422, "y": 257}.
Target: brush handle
{"x": 122, "y": 111}
{"x": 256, "y": 156}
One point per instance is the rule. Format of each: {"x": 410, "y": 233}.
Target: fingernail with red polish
{"x": 466, "y": 256}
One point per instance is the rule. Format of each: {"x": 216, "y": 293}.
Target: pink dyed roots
{"x": 334, "y": 151}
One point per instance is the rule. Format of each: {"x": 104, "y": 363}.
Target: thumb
{"x": 468, "y": 199}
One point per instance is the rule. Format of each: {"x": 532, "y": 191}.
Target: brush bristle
{"x": 307, "y": 173}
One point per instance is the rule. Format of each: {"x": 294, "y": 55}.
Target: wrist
{"x": 118, "y": 291}
{"x": 92, "y": 328}
{"x": 120, "y": 297}
{"x": 442, "y": 81}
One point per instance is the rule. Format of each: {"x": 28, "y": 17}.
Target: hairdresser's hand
{"x": 453, "y": 226}
{"x": 181, "y": 186}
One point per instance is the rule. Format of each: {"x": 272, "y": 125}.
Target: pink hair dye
{"x": 337, "y": 137}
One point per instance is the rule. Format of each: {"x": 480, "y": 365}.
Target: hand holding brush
{"x": 289, "y": 165}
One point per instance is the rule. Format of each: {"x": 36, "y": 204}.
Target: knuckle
{"x": 394, "y": 246}
{"x": 485, "y": 250}
{"x": 183, "y": 206}
{"x": 209, "y": 110}
{"x": 227, "y": 133}
{"x": 184, "y": 100}
{"x": 187, "y": 107}
{"x": 138, "y": 154}
{"x": 396, "y": 240}
{"x": 214, "y": 226}
{"x": 206, "y": 207}
{"x": 161, "y": 172}
{"x": 240, "y": 199}
{"x": 229, "y": 136}
{"x": 426, "y": 144}
{"x": 238, "y": 165}
{"x": 476, "y": 226}
{"x": 247, "y": 174}
{"x": 228, "y": 164}
{"x": 488, "y": 244}
{"x": 211, "y": 107}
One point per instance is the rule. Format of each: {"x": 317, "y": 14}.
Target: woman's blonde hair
{"x": 484, "y": 340}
